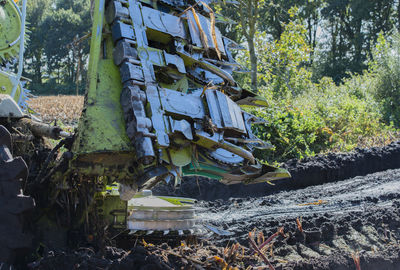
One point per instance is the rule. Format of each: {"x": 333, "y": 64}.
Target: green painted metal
{"x": 95, "y": 48}
{"x": 203, "y": 169}
{"x": 179, "y": 157}
{"x": 111, "y": 207}
{"x": 6, "y": 86}
{"x": 101, "y": 127}
{"x": 10, "y": 34}
{"x": 101, "y": 146}
{"x": 10, "y": 30}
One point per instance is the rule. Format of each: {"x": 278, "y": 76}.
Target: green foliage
{"x": 294, "y": 133}
{"x": 34, "y": 54}
{"x": 305, "y": 118}
{"x": 350, "y": 28}
{"x": 386, "y": 66}
{"x": 282, "y": 68}
{"x": 53, "y": 59}
{"x": 340, "y": 33}
{"x": 282, "y": 62}
{"x": 60, "y": 25}
{"x": 325, "y": 117}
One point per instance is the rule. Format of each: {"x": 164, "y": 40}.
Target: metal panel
{"x": 157, "y": 115}
{"x": 121, "y": 30}
{"x": 206, "y": 76}
{"x": 131, "y": 72}
{"x": 213, "y": 108}
{"x": 153, "y": 56}
{"x": 163, "y": 22}
{"x": 102, "y": 128}
{"x": 231, "y": 113}
{"x": 224, "y": 108}
{"x": 235, "y": 109}
{"x": 206, "y": 26}
{"x": 148, "y": 71}
{"x": 182, "y": 126}
{"x": 173, "y": 59}
{"x": 182, "y": 104}
{"x": 124, "y": 52}
{"x": 115, "y": 11}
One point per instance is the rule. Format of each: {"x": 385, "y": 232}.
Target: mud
{"x": 324, "y": 227}
{"x": 347, "y": 224}
{"x": 338, "y": 220}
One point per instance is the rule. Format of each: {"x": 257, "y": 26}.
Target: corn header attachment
{"x": 162, "y": 101}
{"x": 161, "y": 104}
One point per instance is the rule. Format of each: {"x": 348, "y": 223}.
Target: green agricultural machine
{"x": 161, "y": 104}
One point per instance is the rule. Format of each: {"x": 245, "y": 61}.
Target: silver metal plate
{"x": 163, "y": 22}
{"x": 224, "y": 112}
{"x": 182, "y": 104}
{"x": 206, "y": 26}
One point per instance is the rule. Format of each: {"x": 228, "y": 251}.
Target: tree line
{"x": 55, "y": 57}
{"x": 340, "y": 35}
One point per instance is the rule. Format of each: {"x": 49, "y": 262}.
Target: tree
{"x": 310, "y": 14}
{"x": 54, "y": 61}
{"x": 352, "y": 25}
{"x": 282, "y": 63}
{"x": 34, "y": 52}
{"x": 249, "y": 17}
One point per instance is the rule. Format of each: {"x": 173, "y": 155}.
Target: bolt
{"x": 3, "y": 88}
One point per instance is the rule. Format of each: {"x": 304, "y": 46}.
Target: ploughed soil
{"x": 340, "y": 211}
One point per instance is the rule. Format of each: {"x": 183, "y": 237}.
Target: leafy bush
{"x": 305, "y": 118}
{"x": 386, "y": 66}
{"x": 325, "y": 117}
{"x": 295, "y": 133}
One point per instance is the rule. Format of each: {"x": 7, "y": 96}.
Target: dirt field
{"x": 66, "y": 109}
{"x": 349, "y": 224}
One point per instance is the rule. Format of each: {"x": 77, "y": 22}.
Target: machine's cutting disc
{"x": 10, "y": 30}
{"x": 226, "y": 157}
{"x": 6, "y": 86}
{"x": 160, "y": 214}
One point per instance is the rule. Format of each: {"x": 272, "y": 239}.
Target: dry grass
{"x": 62, "y": 108}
